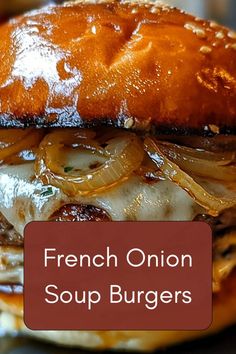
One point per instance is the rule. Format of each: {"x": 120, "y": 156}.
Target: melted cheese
{"x": 24, "y": 199}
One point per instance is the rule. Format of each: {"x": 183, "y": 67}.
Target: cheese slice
{"x": 24, "y": 199}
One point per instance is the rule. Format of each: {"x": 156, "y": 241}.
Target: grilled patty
{"x": 73, "y": 212}
{"x": 70, "y": 212}
{"x": 221, "y": 227}
{"x": 8, "y": 235}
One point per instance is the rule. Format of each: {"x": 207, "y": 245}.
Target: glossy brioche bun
{"x": 224, "y": 314}
{"x": 128, "y": 64}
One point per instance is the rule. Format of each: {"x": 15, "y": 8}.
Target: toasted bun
{"x": 132, "y": 65}
{"x": 224, "y": 314}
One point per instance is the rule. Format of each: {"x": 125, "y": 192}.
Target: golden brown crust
{"x": 117, "y": 63}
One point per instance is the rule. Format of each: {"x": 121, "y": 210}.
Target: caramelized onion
{"x": 120, "y": 156}
{"x": 173, "y": 172}
{"x": 200, "y": 162}
{"x": 24, "y": 156}
{"x": 13, "y": 141}
{"x": 217, "y": 143}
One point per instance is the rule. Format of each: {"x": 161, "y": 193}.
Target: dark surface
{"x": 222, "y": 343}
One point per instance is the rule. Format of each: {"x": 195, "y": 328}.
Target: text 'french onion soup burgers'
{"x": 117, "y": 111}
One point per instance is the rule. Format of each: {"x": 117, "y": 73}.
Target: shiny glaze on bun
{"x": 132, "y": 65}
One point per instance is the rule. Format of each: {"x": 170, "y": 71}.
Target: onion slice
{"x": 121, "y": 155}
{"x": 13, "y": 141}
{"x": 200, "y": 162}
{"x": 172, "y": 171}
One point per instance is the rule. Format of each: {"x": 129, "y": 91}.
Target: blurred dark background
{"x": 223, "y": 11}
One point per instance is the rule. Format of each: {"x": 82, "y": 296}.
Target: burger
{"x": 115, "y": 111}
